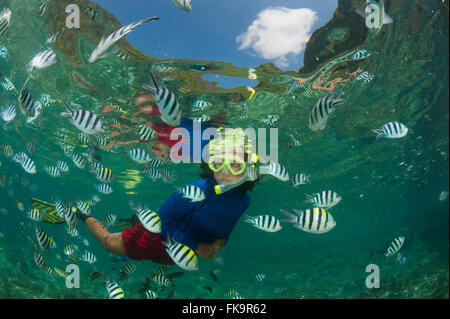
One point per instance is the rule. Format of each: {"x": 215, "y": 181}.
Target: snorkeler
{"x": 205, "y": 226}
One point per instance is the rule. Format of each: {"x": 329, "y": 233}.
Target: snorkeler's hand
{"x": 161, "y": 151}
{"x": 217, "y": 245}
{"x": 205, "y": 250}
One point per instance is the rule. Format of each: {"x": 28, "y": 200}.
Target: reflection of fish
{"x": 5, "y": 17}
{"x": 105, "y": 43}
{"x": 183, "y": 4}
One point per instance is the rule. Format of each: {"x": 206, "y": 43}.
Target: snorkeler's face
{"x": 225, "y": 176}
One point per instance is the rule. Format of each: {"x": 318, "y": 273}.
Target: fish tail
{"x": 150, "y": 19}
{"x": 307, "y": 179}
{"x": 249, "y": 219}
{"x": 68, "y": 107}
{"x": 379, "y": 133}
{"x": 290, "y": 219}
{"x": 309, "y": 199}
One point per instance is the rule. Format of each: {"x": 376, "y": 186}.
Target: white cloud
{"x": 278, "y": 34}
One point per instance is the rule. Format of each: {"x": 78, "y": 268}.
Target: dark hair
{"x": 208, "y": 173}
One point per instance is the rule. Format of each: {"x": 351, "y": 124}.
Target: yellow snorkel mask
{"x": 227, "y": 154}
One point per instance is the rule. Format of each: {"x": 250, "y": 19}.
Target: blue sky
{"x": 211, "y": 29}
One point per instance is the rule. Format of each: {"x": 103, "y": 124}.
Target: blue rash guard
{"x": 213, "y": 218}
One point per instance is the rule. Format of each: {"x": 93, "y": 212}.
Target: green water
{"x": 389, "y": 188}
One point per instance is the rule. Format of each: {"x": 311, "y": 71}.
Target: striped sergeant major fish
{"x": 203, "y": 118}
{"x": 161, "y": 280}
{"x": 105, "y": 43}
{"x": 85, "y": 121}
{"x": 8, "y": 114}
{"x": 84, "y": 207}
{"x": 149, "y": 294}
{"x": 45, "y": 242}
{"x": 300, "y": 179}
{"x": 52, "y": 171}
{"x": 183, "y": 4}
{"x": 104, "y": 174}
{"x": 84, "y": 139}
{"x": 277, "y": 170}
{"x": 152, "y": 173}
{"x": 42, "y": 60}
{"x": 109, "y": 220}
{"x": 104, "y": 189}
{"x": 63, "y": 167}
{"x": 149, "y": 219}
{"x": 70, "y": 218}
{"x": 139, "y": 155}
{"x": 89, "y": 257}
{"x": 35, "y": 214}
{"x": 27, "y": 163}
{"x": 146, "y": 133}
{"x": 182, "y": 255}
{"x": 72, "y": 231}
{"x": 325, "y": 199}
{"x": 78, "y": 160}
{"x": 201, "y": 104}
{"x": 266, "y": 223}
{"x": 5, "y": 17}
{"x": 27, "y": 104}
{"x": 44, "y": 5}
{"x": 312, "y": 220}
{"x": 114, "y": 290}
{"x": 192, "y": 192}
{"x": 323, "y": 109}
{"x": 39, "y": 259}
{"x": 391, "y": 130}
{"x": 166, "y": 101}
{"x": 395, "y": 246}
{"x": 128, "y": 269}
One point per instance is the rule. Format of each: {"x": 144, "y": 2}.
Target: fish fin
{"x": 290, "y": 219}
{"x": 309, "y": 199}
{"x": 362, "y": 12}
{"x": 387, "y": 19}
{"x": 297, "y": 211}
{"x": 249, "y": 219}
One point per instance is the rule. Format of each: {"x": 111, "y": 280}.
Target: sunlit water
{"x": 389, "y": 188}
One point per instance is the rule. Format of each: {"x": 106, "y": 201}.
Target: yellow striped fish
{"x": 182, "y": 255}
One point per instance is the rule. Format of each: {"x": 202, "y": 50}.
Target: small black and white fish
{"x": 104, "y": 174}
{"x": 8, "y": 85}
{"x": 361, "y": 54}
{"x": 114, "y": 290}
{"x": 150, "y": 294}
{"x": 7, "y": 150}
{"x": 266, "y": 223}
{"x": 277, "y": 170}
{"x": 155, "y": 162}
{"x": 60, "y": 209}
{"x": 181, "y": 254}
{"x": 260, "y": 277}
{"x": 8, "y": 114}
{"x": 105, "y": 43}
{"x": 26, "y": 103}
{"x": 42, "y": 60}
{"x": 161, "y": 280}
{"x": 84, "y": 139}
{"x": 70, "y": 218}
{"x": 34, "y": 214}
{"x": 63, "y": 167}
{"x": 104, "y": 189}
{"x": 85, "y": 121}
{"x": 109, "y": 220}
{"x": 299, "y": 179}
{"x": 322, "y": 111}
{"x": 45, "y": 242}
{"x": 84, "y": 207}
{"x": 139, "y": 155}
{"x": 72, "y": 231}
{"x": 166, "y": 101}
{"x": 78, "y": 160}
{"x": 89, "y": 257}
{"x": 271, "y": 119}
{"x": 149, "y": 219}
{"x": 194, "y": 193}
{"x": 44, "y": 5}
{"x": 5, "y": 17}
{"x": 152, "y": 173}
{"x": 52, "y": 171}
{"x": 325, "y": 199}
{"x": 391, "y": 130}
{"x": 313, "y": 220}
{"x": 30, "y": 146}
{"x": 395, "y": 246}
{"x": 201, "y": 119}
{"x": 183, "y": 4}
{"x": 27, "y": 164}
{"x": 146, "y": 133}
{"x": 39, "y": 259}
{"x": 201, "y": 104}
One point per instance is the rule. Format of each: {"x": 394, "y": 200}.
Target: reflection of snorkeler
{"x": 161, "y": 150}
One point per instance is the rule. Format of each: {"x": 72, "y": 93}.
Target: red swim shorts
{"x": 139, "y": 243}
